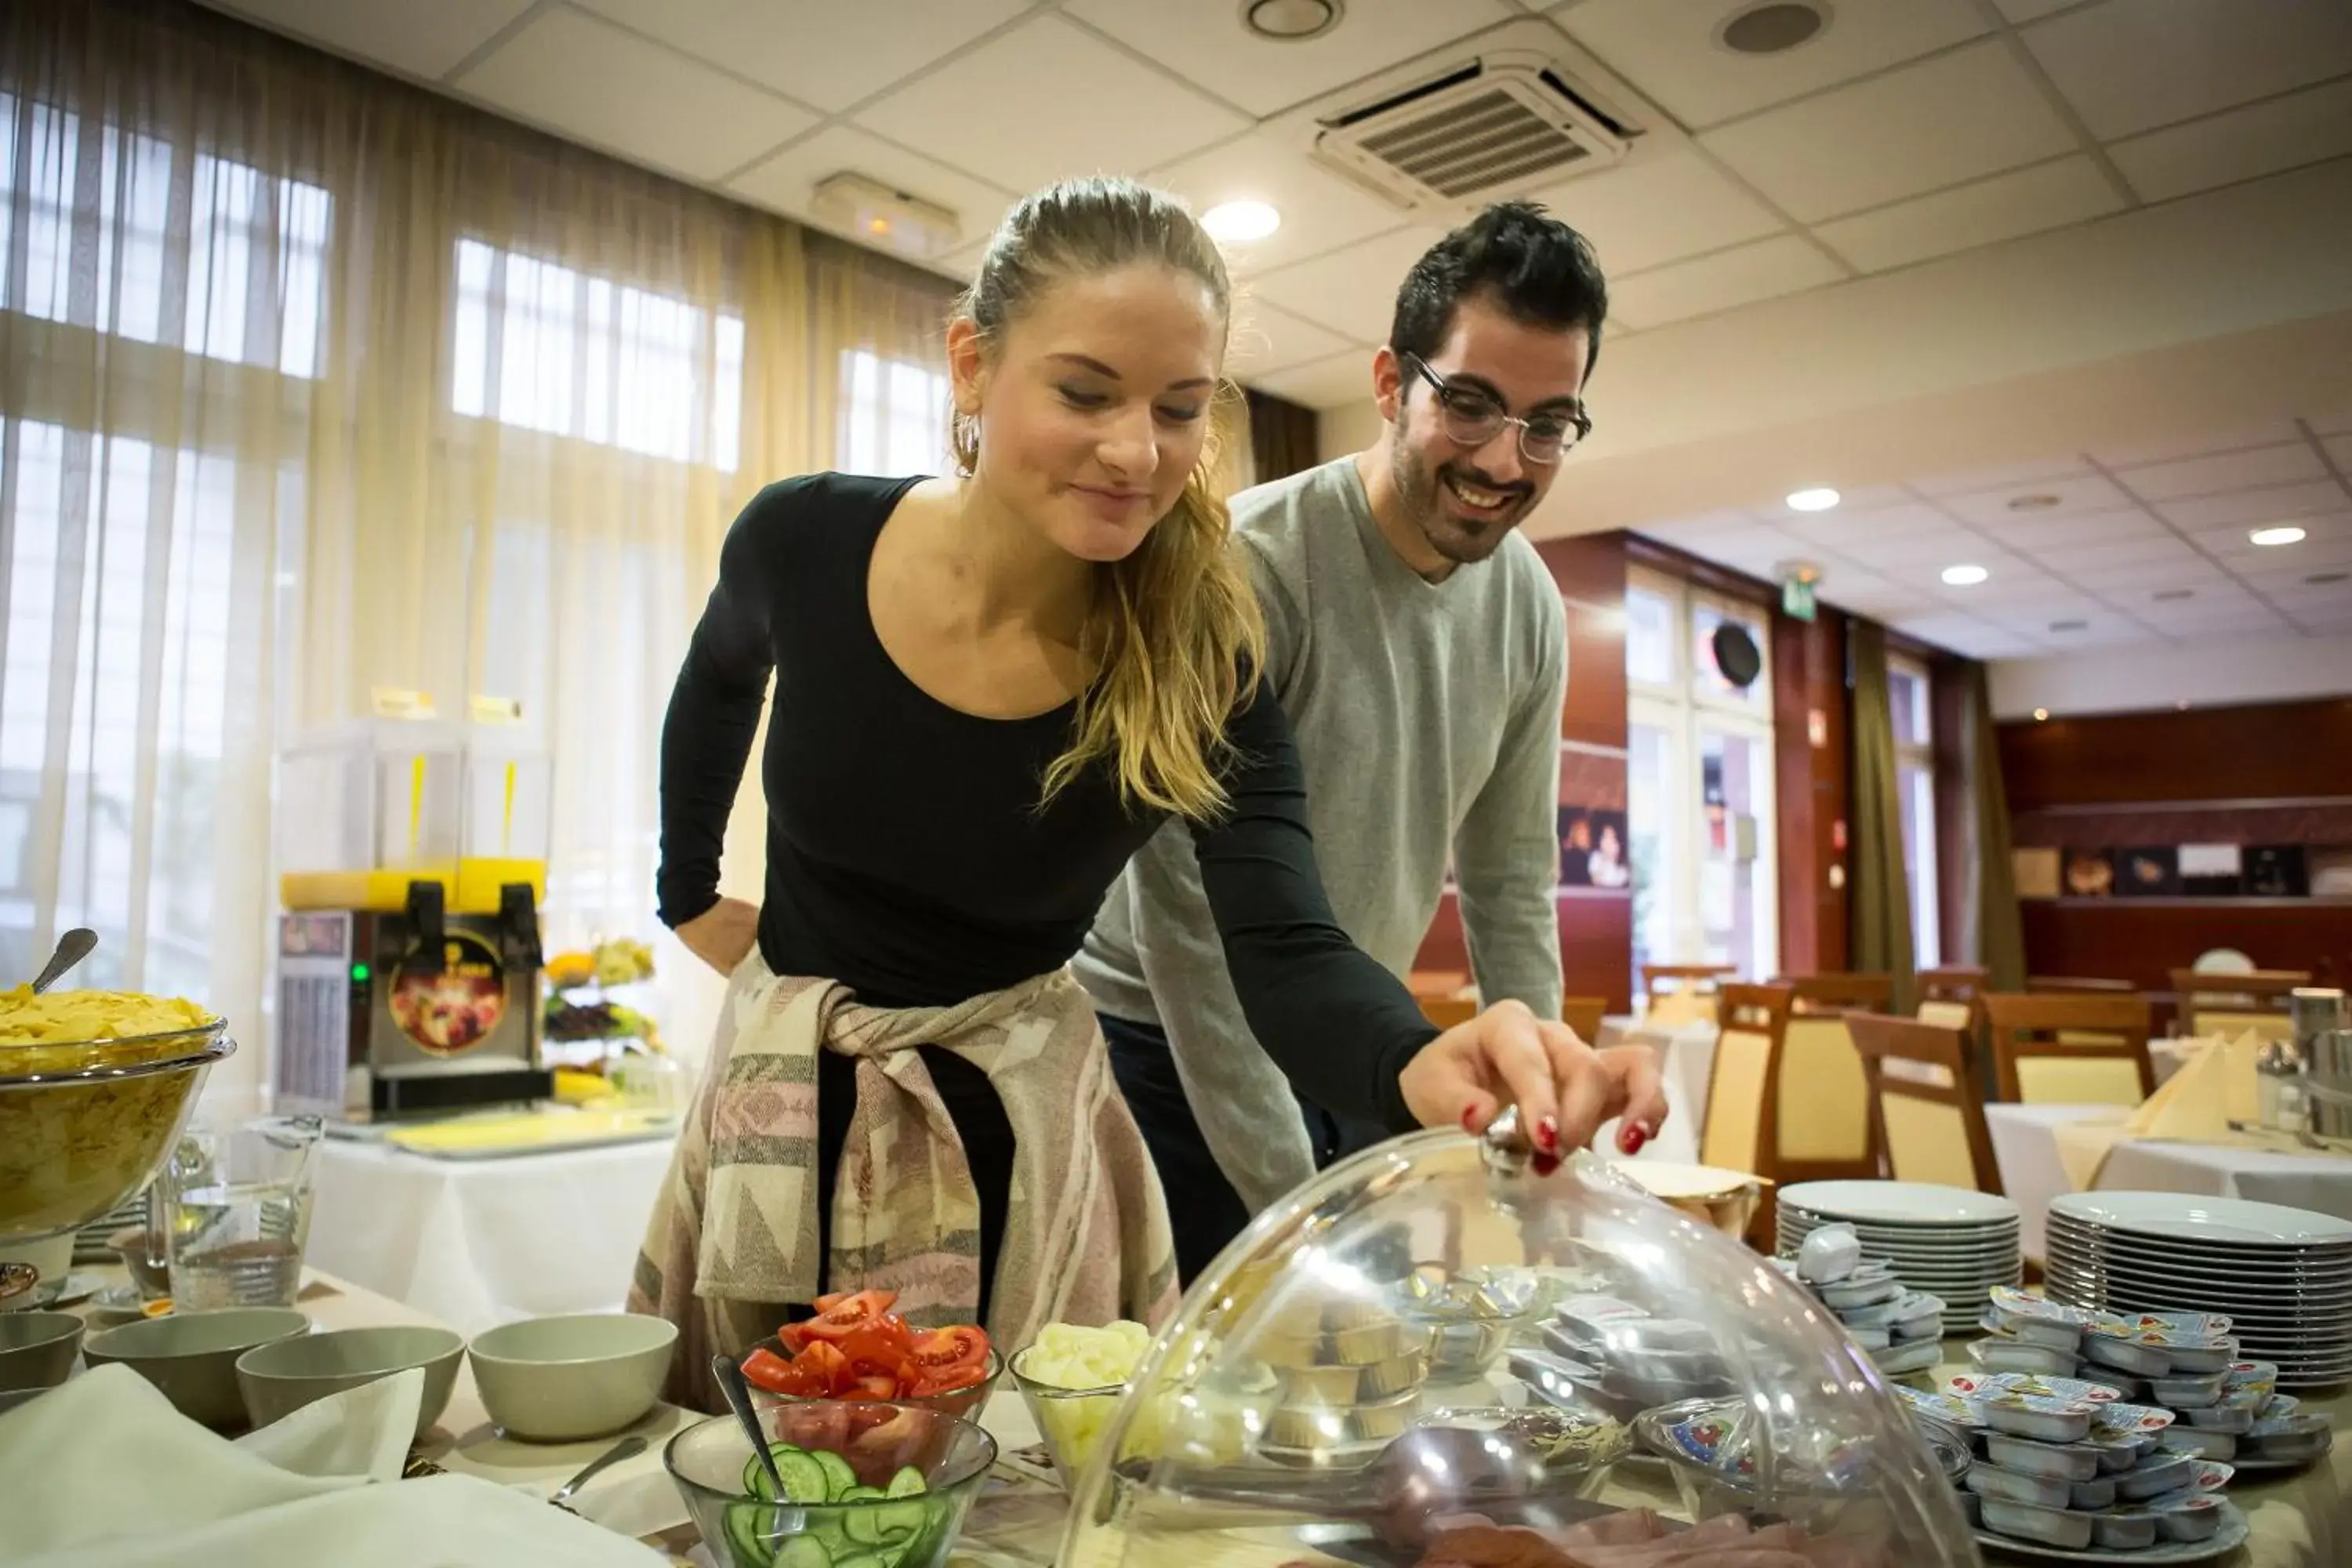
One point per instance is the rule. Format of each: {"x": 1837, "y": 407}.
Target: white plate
{"x": 2163, "y": 1555}
{"x": 2183, "y": 1216}
{"x": 1902, "y": 1203}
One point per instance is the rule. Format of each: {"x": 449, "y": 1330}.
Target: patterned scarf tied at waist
{"x": 734, "y": 1230}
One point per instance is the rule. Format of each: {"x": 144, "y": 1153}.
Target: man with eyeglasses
{"x": 1418, "y": 644}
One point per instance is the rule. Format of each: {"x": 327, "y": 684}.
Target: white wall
{"x": 2205, "y": 675}
{"x": 1340, "y": 431}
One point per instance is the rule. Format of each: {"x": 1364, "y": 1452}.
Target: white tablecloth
{"x": 2025, "y": 1147}
{"x": 479, "y": 1243}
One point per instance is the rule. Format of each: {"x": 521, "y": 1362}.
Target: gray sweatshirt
{"x": 1428, "y": 722}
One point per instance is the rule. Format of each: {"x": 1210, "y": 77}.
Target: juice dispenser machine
{"x": 408, "y": 960}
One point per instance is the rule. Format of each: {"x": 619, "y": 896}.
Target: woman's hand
{"x": 723, "y": 935}
{"x": 1564, "y": 1089}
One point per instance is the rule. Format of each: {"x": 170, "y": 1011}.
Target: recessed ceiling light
{"x": 2039, "y": 502}
{"x": 2286, "y": 533}
{"x": 1238, "y": 223}
{"x": 1820, "y": 498}
{"x": 1291, "y": 21}
{"x": 2184, "y": 705}
{"x": 1965, "y": 576}
{"x": 2070, "y": 626}
{"x": 1769, "y": 28}
{"x": 2042, "y": 715}
{"x": 2173, "y": 595}
{"x": 2322, "y": 579}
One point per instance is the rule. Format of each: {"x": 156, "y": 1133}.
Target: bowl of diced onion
{"x": 1072, "y": 1379}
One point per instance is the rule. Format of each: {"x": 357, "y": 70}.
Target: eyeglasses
{"x": 1473, "y": 417}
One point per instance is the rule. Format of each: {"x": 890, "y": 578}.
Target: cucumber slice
{"x": 857, "y": 1560}
{"x": 863, "y": 1494}
{"x": 901, "y": 1521}
{"x": 864, "y": 1525}
{"x": 806, "y": 1477}
{"x": 838, "y": 1477}
{"x": 747, "y": 1530}
{"x": 908, "y": 1482}
{"x": 802, "y": 1552}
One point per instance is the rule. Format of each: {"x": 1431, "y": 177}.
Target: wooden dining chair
{"x": 1839, "y": 991}
{"x": 2215, "y": 1002}
{"x": 1583, "y": 1013}
{"x": 1741, "y": 1128}
{"x": 2077, "y": 985}
{"x": 1952, "y": 996}
{"x": 2072, "y": 1050}
{"x": 1677, "y": 994}
{"x": 1447, "y": 1011}
{"x": 1924, "y": 1103}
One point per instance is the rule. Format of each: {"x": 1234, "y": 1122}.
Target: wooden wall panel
{"x": 2143, "y": 939}
{"x": 1812, "y": 791}
{"x": 2264, "y": 751}
{"x": 1596, "y": 945}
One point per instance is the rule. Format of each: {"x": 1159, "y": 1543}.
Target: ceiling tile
{"x": 1834, "y": 529}
{"x": 2236, "y": 545}
{"x": 1916, "y": 557}
{"x": 2138, "y": 582}
{"x": 585, "y": 78}
{"x": 2337, "y": 422}
{"x": 2227, "y": 471}
{"x": 2340, "y": 450}
{"x": 1352, "y": 291}
{"x": 1897, "y": 135}
{"x": 1210, "y": 44}
{"x": 2198, "y": 443}
{"x": 1658, "y": 209}
{"x": 1867, "y": 501}
{"x": 1671, "y": 52}
{"x": 2129, "y": 65}
{"x": 422, "y": 38}
{"x": 2075, "y": 498}
{"x": 2251, "y": 508}
{"x": 1340, "y": 382}
{"x": 2015, "y": 476}
{"x": 1723, "y": 281}
{"x": 1961, "y": 633}
{"x": 1756, "y": 550}
{"x": 2036, "y": 536}
{"x": 1266, "y": 340}
{"x": 2084, "y": 561}
{"x": 818, "y": 51}
{"x": 784, "y": 183}
{"x": 2241, "y": 144}
{"x": 1084, "y": 106}
{"x": 2029, "y": 10}
{"x": 1320, "y": 212}
{"x": 2024, "y": 201}
{"x": 1730, "y": 519}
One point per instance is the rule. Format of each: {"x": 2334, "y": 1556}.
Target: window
{"x": 894, "y": 416}
{"x": 1908, "y": 697}
{"x": 1699, "y": 777}
{"x": 553, "y": 349}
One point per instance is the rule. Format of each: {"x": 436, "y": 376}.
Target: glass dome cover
{"x": 1431, "y": 1356}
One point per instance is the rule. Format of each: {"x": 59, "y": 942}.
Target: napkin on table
{"x": 102, "y": 1470}
{"x": 2214, "y": 1087}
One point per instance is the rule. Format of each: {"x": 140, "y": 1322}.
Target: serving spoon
{"x": 72, "y": 948}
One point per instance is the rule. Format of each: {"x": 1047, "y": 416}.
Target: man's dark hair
{"x": 1536, "y": 269}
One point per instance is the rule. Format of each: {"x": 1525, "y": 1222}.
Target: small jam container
{"x": 1911, "y": 1356}
{"x": 2141, "y": 1360}
{"x": 2031, "y": 1415}
{"x": 2261, "y": 1375}
{"x": 1829, "y": 1255}
{"x": 2051, "y": 1526}
{"x": 1870, "y": 1336}
{"x": 2115, "y": 1454}
{"x": 2091, "y": 1496}
{"x": 2178, "y": 1392}
{"x": 2067, "y": 1337}
{"x": 2234, "y": 1419}
{"x": 2200, "y": 1356}
{"x": 2154, "y": 1477}
{"x": 2290, "y": 1437}
{"x": 2194, "y": 1516}
{"x": 1990, "y": 1481}
{"x": 2123, "y": 1531}
{"x": 1860, "y": 1292}
{"x": 2062, "y": 1461}
{"x": 2199, "y": 1442}
{"x": 2004, "y": 1354}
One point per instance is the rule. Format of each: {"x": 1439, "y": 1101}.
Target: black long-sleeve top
{"x": 907, "y": 855}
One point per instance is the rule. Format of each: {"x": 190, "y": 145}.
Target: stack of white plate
{"x": 1948, "y": 1241}
{"x": 2282, "y": 1275}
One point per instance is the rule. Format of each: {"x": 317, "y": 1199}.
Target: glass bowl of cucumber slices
{"x": 863, "y": 1485}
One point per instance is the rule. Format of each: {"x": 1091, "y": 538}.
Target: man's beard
{"x": 1465, "y": 542}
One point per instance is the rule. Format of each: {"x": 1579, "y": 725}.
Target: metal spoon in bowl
{"x": 626, "y": 1448}
{"x": 72, "y": 948}
{"x": 739, "y": 1400}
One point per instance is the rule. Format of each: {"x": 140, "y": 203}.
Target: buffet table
{"x": 2298, "y": 1521}
{"x": 2026, "y": 1147}
{"x": 478, "y": 1243}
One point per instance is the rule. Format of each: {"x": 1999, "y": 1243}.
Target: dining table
{"x": 2296, "y": 1520}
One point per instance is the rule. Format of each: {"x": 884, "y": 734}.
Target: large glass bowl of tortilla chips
{"x": 1433, "y": 1355}
{"x": 95, "y": 1087}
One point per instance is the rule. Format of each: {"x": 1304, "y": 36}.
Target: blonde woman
{"x": 990, "y": 690}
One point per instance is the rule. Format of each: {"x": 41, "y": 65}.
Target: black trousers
{"x": 1203, "y": 1210}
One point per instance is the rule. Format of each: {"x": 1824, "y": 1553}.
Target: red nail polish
{"x": 1547, "y": 1135}
{"x": 1544, "y": 1163}
{"x": 1470, "y": 1118}
{"x": 1632, "y": 1136}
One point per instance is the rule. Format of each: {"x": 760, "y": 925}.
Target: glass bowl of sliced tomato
{"x": 856, "y": 1348}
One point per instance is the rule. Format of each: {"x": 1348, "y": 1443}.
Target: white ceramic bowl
{"x": 279, "y": 1379}
{"x": 564, "y": 1379}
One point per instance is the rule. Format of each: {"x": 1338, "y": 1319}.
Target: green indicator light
{"x": 359, "y": 974}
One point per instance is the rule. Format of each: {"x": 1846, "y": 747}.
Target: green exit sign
{"x": 1797, "y": 599}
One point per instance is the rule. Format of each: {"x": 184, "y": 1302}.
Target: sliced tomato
{"x": 794, "y": 1337}
{"x": 952, "y": 1358}
{"x": 827, "y": 1303}
{"x": 765, "y": 1369}
{"x": 849, "y": 1314}
{"x": 874, "y": 1385}
{"x": 885, "y": 1340}
{"x": 809, "y": 1376}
